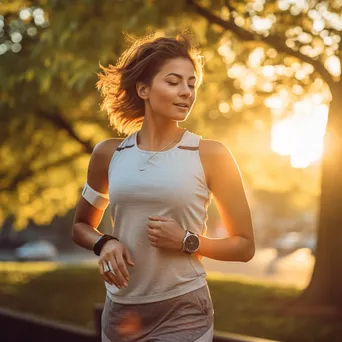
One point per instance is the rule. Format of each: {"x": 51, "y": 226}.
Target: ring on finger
{"x": 106, "y": 268}
{"x": 110, "y": 267}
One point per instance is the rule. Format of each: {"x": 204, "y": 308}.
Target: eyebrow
{"x": 180, "y": 76}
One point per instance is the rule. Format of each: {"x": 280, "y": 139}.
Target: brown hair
{"x": 140, "y": 62}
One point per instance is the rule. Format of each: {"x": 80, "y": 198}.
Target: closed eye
{"x": 189, "y": 85}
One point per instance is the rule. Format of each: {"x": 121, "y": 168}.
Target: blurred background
{"x": 272, "y": 79}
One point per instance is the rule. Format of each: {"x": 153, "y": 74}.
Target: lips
{"x": 182, "y": 105}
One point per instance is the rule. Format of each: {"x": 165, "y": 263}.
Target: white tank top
{"x": 172, "y": 185}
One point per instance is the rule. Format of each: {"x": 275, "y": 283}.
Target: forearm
{"x": 85, "y": 235}
{"x": 235, "y": 248}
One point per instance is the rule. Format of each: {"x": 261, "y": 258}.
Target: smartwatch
{"x": 191, "y": 242}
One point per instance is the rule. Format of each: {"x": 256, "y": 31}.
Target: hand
{"x": 115, "y": 255}
{"x": 164, "y": 232}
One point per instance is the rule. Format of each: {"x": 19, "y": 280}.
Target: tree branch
{"x": 58, "y": 120}
{"x": 102, "y": 121}
{"x": 29, "y": 172}
{"x": 26, "y": 172}
{"x": 273, "y": 41}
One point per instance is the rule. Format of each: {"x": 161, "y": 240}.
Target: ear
{"x": 142, "y": 90}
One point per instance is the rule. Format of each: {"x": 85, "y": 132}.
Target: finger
{"x": 104, "y": 266}
{"x": 153, "y": 233}
{"x": 154, "y": 224}
{"x": 122, "y": 266}
{"x": 159, "y": 218}
{"x": 152, "y": 238}
{"x": 117, "y": 271}
{"x": 107, "y": 275}
{"x": 127, "y": 255}
{"x": 113, "y": 279}
{"x": 104, "y": 274}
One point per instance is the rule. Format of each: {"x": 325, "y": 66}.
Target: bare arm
{"x": 225, "y": 181}
{"x": 87, "y": 218}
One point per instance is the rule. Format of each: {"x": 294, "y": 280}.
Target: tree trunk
{"x": 325, "y": 287}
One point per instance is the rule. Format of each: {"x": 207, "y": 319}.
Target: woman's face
{"x": 172, "y": 92}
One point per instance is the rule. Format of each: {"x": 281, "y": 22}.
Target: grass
{"x": 68, "y": 293}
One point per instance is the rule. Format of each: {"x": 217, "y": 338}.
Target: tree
{"x": 311, "y": 33}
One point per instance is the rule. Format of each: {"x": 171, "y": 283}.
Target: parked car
{"x": 289, "y": 243}
{"x": 36, "y": 251}
{"x": 292, "y": 241}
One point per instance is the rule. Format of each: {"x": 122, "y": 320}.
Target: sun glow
{"x": 296, "y": 98}
{"x": 301, "y": 135}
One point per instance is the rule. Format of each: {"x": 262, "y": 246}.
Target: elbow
{"x": 74, "y": 234}
{"x": 249, "y": 252}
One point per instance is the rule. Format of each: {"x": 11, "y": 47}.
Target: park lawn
{"x": 68, "y": 293}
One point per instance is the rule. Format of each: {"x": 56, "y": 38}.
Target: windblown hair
{"x": 140, "y": 62}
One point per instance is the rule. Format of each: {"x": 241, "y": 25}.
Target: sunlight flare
{"x": 301, "y": 135}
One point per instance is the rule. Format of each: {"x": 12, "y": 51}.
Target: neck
{"x": 153, "y": 138}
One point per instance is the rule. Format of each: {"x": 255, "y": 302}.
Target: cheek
{"x": 163, "y": 96}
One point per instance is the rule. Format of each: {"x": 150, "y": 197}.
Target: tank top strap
{"x": 128, "y": 142}
{"x": 190, "y": 140}
{"x": 125, "y": 145}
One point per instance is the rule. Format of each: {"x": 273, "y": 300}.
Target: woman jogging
{"x": 158, "y": 182}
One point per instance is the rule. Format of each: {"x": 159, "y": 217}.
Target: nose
{"x": 185, "y": 91}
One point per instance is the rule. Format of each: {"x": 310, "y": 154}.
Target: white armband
{"x": 95, "y": 198}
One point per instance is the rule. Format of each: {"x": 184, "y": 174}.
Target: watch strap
{"x": 183, "y": 245}
{"x": 99, "y": 243}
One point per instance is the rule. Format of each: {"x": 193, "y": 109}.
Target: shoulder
{"x": 213, "y": 148}
{"x": 106, "y": 148}
{"x": 99, "y": 163}
{"x": 215, "y": 151}
{"x": 216, "y": 158}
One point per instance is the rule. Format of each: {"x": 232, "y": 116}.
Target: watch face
{"x": 191, "y": 243}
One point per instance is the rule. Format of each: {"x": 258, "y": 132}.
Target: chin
{"x": 175, "y": 117}
{"x": 179, "y": 118}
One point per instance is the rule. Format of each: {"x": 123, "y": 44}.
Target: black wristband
{"x": 101, "y": 241}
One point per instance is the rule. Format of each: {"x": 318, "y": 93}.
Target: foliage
{"x": 50, "y": 52}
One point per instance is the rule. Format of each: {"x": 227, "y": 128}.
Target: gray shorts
{"x": 186, "y": 318}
